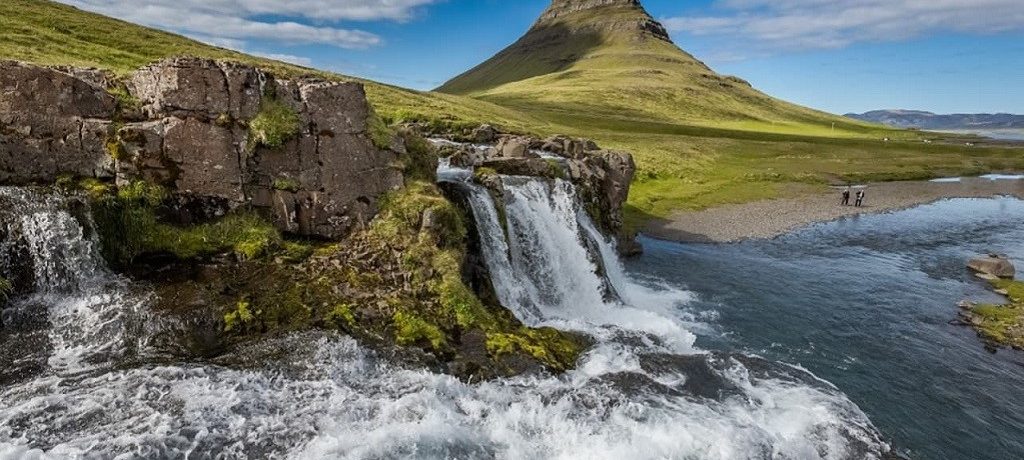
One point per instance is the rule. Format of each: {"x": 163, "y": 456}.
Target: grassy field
{"x": 700, "y": 139}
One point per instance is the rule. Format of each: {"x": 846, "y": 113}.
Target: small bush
{"x": 239, "y": 319}
{"x": 275, "y": 125}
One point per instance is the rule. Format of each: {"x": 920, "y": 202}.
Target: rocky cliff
{"x": 217, "y": 135}
{"x": 188, "y": 171}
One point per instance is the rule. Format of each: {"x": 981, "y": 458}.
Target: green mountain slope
{"x": 594, "y": 68}
{"x": 610, "y": 57}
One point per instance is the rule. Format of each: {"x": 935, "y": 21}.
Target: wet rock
{"x": 524, "y": 167}
{"x": 994, "y": 265}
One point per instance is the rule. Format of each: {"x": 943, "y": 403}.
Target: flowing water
{"x": 865, "y": 303}
{"x": 700, "y": 351}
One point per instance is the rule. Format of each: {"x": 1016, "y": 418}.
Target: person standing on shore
{"x": 860, "y": 198}
{"x": 846, "y": 196}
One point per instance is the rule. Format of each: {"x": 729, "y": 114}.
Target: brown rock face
{"x": 199, "y": 88}
{"x": 51, "y": 123}
{"x": 195, "y": 141}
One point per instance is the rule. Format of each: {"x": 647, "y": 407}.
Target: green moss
{"x": 1014, "y": 289}
{"x": 223, "y": 120}
{"x": 95, "y": 188}
{"x": 6, "y": 289}
{"x": 1002, "y": 324}
{"x": 484, "y": 172}
{"x": 294, "y": 252}
{"x": 403, "y": 212}
{"x": 549, "y": 346}
{"x": 555, "y": 169}
{"x": 414, "y": 330}
{"x": 342, "y": 315}
{"x": 274, "y": 125}
{"x": 240, "y": 318}
{"x": 128, "y": 227}
{"x": 115, "y": 148}
{"x": 286, "y": 184}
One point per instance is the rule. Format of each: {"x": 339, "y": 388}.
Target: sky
{"x": 944, "y": 56}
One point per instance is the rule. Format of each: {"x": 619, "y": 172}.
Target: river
{"x": 830, "y": 342}
{"x": 865, "y": 304}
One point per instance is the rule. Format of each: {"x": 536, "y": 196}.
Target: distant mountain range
{"x": 930, "y": 121}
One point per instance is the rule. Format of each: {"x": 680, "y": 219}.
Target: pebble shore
{"x": 771, "y": 218}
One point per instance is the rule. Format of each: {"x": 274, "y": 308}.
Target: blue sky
{"x": 837, "y": 55}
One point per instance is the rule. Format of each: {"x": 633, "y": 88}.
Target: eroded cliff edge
{"x": 255, "y": 206}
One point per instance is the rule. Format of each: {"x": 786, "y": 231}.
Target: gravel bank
{"x": 770, "y": 218}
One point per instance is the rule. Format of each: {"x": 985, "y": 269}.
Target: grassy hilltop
{"x": 609, "y": 73}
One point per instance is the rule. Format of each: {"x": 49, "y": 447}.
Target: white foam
{"x": 337, "y": 400}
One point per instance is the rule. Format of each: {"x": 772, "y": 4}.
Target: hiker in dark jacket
{"x": 846, "y": 197}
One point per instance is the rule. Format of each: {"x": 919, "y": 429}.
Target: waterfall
{"x": 641, "y": 391}
{"x": 551, "y": 266}
{"x": 45, "y": 246}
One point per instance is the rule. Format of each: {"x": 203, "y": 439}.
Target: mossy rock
{"x": 1001, "y": 325}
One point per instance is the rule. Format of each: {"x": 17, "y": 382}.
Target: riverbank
{"x": 771, "y": 218}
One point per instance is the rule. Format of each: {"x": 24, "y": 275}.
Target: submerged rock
{"x": 995, "y": 265}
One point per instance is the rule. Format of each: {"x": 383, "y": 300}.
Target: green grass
{"x": 700, "y": 139}
{"x": 275, "y": 124}
{"x": 1002, "y": 324}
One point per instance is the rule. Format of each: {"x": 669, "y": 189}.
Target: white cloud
{"x": 231, "y": 22}
{"x": 815, "y": 24}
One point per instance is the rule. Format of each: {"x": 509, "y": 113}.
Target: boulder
{"x": 515, "y": 147}
{"x": 466, "y": 155}
{"x": 485, "y": 134}
{"x": 51, "y": 123}
{"x": 993, "y": 265}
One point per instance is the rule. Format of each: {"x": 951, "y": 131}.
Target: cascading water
{"x": 46, "y": 247}
{"x": 642, "y": 391}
